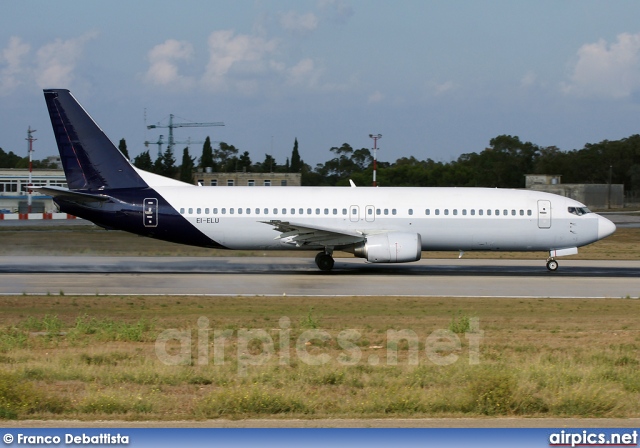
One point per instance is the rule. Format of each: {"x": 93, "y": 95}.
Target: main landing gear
{"x": 324, "y": 261}
{"x": 552, "y": 264}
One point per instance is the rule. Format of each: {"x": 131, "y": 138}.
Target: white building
{"x": 14, "y": 193}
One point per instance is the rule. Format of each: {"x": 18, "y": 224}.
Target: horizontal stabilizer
{"x": 69, "y": 195}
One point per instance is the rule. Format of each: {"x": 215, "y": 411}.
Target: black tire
{"x": 324, "y": 262}
{"x": 552, "y": 265}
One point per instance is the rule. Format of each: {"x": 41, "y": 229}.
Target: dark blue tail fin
{"x": 90, "y": 160}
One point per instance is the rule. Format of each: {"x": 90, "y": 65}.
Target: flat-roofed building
{"x": 14, "y": 192}
{"x": 243, "y": 179}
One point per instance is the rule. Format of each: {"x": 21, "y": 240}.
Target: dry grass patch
{"x": 537, "y": 357}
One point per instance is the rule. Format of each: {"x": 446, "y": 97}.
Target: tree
{"x": 143, "y": 161}
{"x": 207, "y": 155}
{"x": 8, "y": 160}
{"x": 296, "y": 162}
{"x": 224, "y": 155}
{"x": 269, "y": 165}
{"x": 165, "y": 164}
{"x": 244, "y": 162}
{"x": 123, "y": 148}
{"x": 186, "y": 169}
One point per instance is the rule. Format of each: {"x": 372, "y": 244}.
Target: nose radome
{"x": 605, "y": 227}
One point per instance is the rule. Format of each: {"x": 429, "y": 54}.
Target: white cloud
{"x": 13, "y": 74}
{"x": 56, "y": 61}
{"x": 337, "y": 10}
{"x": 375, "y": 97}
{"x": 299, "y": 23}
{"x": 235, "y": 61}
{"x": 607, "y": 71}
{"x": 528, "y": 80}
{"x": 163, "y": 58}
{"x": 54, "y": 64}
{"x": 442, "y": 88}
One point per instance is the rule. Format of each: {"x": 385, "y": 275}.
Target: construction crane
{"x": 173, "y": 125}
{"x": 161, "y": 142}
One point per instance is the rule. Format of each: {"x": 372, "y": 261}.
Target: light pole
{"x": 375, "y": 138}
{"x": 30, "y": 139}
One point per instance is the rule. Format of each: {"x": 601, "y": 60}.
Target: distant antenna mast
{"x": 30, "y": 139}
{"x": 375, "y": 138}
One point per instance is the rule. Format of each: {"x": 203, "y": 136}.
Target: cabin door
{"x": 354, "y": 213}
{"x": 150, "y": 212}
{"x": 544, "y": 214}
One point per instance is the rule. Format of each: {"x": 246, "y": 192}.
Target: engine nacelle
{"x": 393, "y": 247}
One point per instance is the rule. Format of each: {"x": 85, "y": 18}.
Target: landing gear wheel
{"x": 324, "y": 261}
{"x": 552, "y": 265}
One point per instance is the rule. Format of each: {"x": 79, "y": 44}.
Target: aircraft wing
{"x": 304, "y": 235}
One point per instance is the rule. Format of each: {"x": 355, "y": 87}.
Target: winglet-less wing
{"x": 301, "y": 235}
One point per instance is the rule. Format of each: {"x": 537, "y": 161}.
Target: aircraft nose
{"x": 605, "y": 227}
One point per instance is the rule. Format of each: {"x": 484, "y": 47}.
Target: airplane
{"x": 381, "y": 224}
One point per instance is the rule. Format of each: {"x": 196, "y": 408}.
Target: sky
{"x": 435, "y": 78}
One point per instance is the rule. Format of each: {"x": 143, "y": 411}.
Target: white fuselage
{"x": 445, "y": 218}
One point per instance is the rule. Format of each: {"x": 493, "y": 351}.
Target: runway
{"x": 300, "y": 277}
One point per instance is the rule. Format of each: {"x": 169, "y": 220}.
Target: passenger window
{"x": 378, "y": 212}
{"x": 505, "y": 212}
{"x": 521, "y": 212}
{"x": 513, "y": 212}
{"x": 308, "y": 211}
{"x": 393, "y": 211}
{"x": 239, "y": 211}
{"x": 231, "y": 211}
{"x": 215, "y": 211}
{"x": 257, "y": 211}
{"x": 326, "y": 211}
{"x": 344, "y": 211}
{"x": 446, "y": 211}
{"x": 529, "y": 212}
{"x": 317, "y": 211}
{"x": 386, "y": 211}
{"x": 410, "y": 211}
{"x": 455, "y": 212}
{"x": 480, "y": 212}
{"x": 191, "y": 211}
{"x": 437, "y": 211}
{"x": 301, "y": 211}
{"x": 182, "y": 211}
{"x": 497, "y": 212}
{"x": 354, "y": 211}
{"x": 369, "y": 211}
{"x": 248, "y": 211}
{"x": 335, "y": 211}
{"x": 224, "y": 211}
{"x": 266, "y": 211}
{"x": 427, "y": 212}
{"x": 275, "y": 211}
{"x": 488, "y": 212}
{"x": 464, "y": 212}
{"x": 473, "y": 212}
{"x": 293, "y": 211}
{"x": 206, "y": 211}
{"x": 284, "y": 211}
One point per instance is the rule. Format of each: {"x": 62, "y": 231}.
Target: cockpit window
{"x": 579, "y": 210}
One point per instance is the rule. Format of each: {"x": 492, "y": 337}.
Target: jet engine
{"x": 392, "y": 247}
